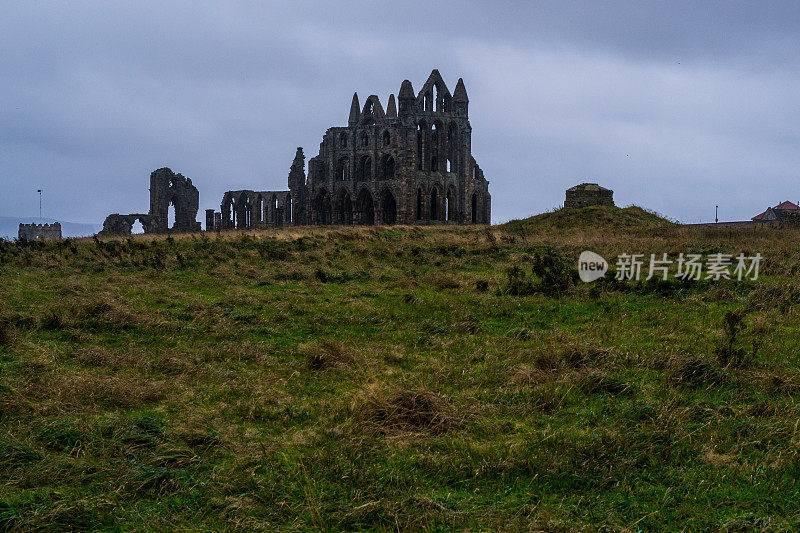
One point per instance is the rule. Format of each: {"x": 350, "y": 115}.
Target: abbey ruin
{"x": 166, "y": 189}
{"x": 411, "y": 163}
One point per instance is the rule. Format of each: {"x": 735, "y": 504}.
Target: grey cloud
{"x": 677, "y": 106}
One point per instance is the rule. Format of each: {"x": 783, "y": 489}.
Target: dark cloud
{"x": 678, "y": 106}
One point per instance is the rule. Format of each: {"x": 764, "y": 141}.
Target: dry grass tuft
{"x": 470, "y": 326}
{"x": 14, "y": 455}
{"x": 404, "y": 410}
{"x": 325, "y": 354}
{"x": 59, "y": 435}
{"x": 570, "y": 358}
{"x": 76, "y": 392}
{"x": 784, "y": 382}
{"x": 692, "y": 372}
{"x": 597, "y": 383}
{"x": 13, "y": 404}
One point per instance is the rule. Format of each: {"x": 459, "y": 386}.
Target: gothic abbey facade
{"x": 411, "y": 163}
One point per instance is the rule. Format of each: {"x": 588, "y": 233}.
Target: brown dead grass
{"x": 326, "y": 354}
{"x": 403, "y": 410}
{"x": 82, "y": 392}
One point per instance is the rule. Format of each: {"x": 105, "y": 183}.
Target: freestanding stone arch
{"x": 166, "y": 189}
{"x": 366, "y": 208}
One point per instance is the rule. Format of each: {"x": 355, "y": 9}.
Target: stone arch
{"x": 474, "y": 208}
{"x": 173, "y": 208}
{"x": 322, "y": 207}
{"x": 435, "y": 203}
{"x": 427, "y": 101}
{"x": 137, "y": 230}
{"x": 422, "y": 134}
{"x": 244, "y": 212}
{"x": 289, "y": 209}
{"x": 387, "y": 138}
{"x": 273, "y": 207}
{"x": 365, "y": 168}
{"x": 433, "y": 146}
{"x": 364, "y": 139}
{"x": 174, "y": 199}
{"x": 388, "y": 207}
{"x": 342, "y": 169}
{"x": 229, "y": 210}
{"x": 343, "y": 140}
{"x": 387, "y": 167}
{"x": 451, "y": 209}
{"x": 260, "y": 209}
{"x": 344, "y": 205}
{"x": 366, "y": 207}
{"x": 452, "y": 148}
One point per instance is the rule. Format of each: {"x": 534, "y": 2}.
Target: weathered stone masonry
{"x": 409, "y": 164}
{"x": 40, "y": 232}
{"x": 587, "y": 194}
{"x": 166, "y": 188}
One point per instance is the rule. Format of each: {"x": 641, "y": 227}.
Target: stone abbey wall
{"x": 166, "y": 189}
{"x": 410, "y": 163}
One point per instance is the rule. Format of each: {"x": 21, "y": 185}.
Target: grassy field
{"x": 398, "y": 378}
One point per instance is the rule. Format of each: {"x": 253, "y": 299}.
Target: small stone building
{"x": 587, "y": 194}
{"x": 40, "y": 232}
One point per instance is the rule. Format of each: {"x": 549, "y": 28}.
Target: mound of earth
{"x": 594, "y": 217}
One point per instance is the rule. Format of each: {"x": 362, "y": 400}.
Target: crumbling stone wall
{"x": 587, "y": 194}
{"x": 166, "y": 188}
{"x": 40, "y": 232}
{"x": 117, "y": 224}
{"x": 409, "y": 164}
{"x": 255, "y": 209}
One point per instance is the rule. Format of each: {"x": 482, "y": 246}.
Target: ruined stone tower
{"x": 166, "y": 188}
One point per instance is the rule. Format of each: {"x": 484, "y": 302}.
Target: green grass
{"x": 375, "y": 378}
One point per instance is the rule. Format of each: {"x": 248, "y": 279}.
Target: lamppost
{"x": 40, "y": 203}
{"x": 716, "y": 215}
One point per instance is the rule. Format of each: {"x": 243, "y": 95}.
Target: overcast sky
{"x": 677, "y": 106}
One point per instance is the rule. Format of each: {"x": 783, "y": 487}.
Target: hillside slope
{"x": 393, "y": 379}
{"x": 592, "y": 218}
